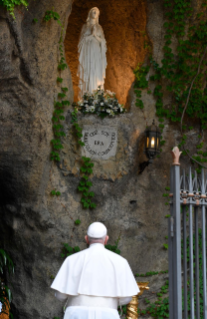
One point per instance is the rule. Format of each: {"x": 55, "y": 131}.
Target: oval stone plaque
{"x": 100, "y": 141}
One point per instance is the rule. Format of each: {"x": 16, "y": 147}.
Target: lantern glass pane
{"x": 153, "y": 142}
{"x": 147, "y": 142}
{"x": 157, "y": 141}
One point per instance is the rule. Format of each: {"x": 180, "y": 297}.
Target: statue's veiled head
{"x": 93, "y": 14}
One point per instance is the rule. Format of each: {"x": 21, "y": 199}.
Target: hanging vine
{"x": 86, "y": 169}
{"x": 11, "y": 4}
{"x": 181, "y": 73}
{"x": 61, "y": 102}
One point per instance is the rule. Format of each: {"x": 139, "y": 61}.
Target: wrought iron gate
{"x": 188, "y": 203}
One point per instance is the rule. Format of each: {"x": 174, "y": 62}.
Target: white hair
{"x": 96, "y": 240}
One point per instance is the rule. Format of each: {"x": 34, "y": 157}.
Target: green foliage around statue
{"x": 100, "y": 102}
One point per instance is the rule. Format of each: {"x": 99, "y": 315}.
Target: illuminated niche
{"x": 124, "y": 25}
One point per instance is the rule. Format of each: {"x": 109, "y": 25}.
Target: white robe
{"x": 91, "y": 313}
{"x": 92, "y": 59}
{"x": 95, "y": 272}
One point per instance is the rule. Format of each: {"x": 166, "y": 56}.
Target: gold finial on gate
{"x": 176, "y": 155}
{"x": 132, "y": 307}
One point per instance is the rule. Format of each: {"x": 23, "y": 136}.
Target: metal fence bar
{"x": 177, "y": 244}
{"x": 185, "y": 272}
{"x": 203, "y": 245}
{"x": 197, "y": 265}
{"x": 204, "y": 261}
{"x": 170, "y": 249}
{"x": 191, "y": 247}
{"x": 185, "y": 287}
{"x": 191, "y": 193}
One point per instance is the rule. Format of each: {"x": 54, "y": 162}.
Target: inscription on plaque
{"x": 100, "y": 142}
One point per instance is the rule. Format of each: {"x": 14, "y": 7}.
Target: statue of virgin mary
{"x": 92, "y": 54}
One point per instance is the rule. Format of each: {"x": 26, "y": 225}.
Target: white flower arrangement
{"x": 103, "y": 103}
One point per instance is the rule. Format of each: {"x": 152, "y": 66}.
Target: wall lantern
{"x": 152, "y": 142}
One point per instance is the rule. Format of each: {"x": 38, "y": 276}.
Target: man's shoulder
{"x": 110, "y": 254}
{"x": 79, "y": 254}
{"x": 115, "y": 256}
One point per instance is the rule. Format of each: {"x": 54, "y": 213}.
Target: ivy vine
{"x": 181, "y": 73}
{"x": 159, "y": 308}
{"x": 61, "y": 102}
{"x": 10, "y": 5}
{"x": 86, "y": 168}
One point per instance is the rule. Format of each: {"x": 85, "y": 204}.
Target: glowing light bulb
{"x": 153, "y": 142}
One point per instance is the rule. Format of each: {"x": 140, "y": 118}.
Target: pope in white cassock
{"x": 95, "y": 280}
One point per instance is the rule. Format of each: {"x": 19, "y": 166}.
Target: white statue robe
{"x": 95, "y": 281}
{"x": 92, "y": 59}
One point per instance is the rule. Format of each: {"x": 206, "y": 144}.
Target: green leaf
{"x": 81, "y": 143}
{"x": 91, "y": 194}
{"x": 92, "y": 205}
{"x": 53, "y": 192}
{"x": 62, "y": 66}
{"x": 65, "y": 102}
{"x": 60, "y": 80}
{"x": 64, "y": 89}
{"x": 61, "y": 95}
{"x": 77, "y": 222}
{"x": 76, "y": 249}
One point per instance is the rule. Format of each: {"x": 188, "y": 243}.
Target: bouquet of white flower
{"x": 103, "y": 103}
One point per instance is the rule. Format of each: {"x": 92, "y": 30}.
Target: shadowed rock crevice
{"x": 18, "y": 50}
{"x": 11, "y": 189}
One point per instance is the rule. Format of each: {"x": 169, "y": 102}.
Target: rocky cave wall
{"x": 34, "y": 225}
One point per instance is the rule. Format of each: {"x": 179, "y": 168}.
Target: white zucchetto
{"x": 97, "y": 230}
